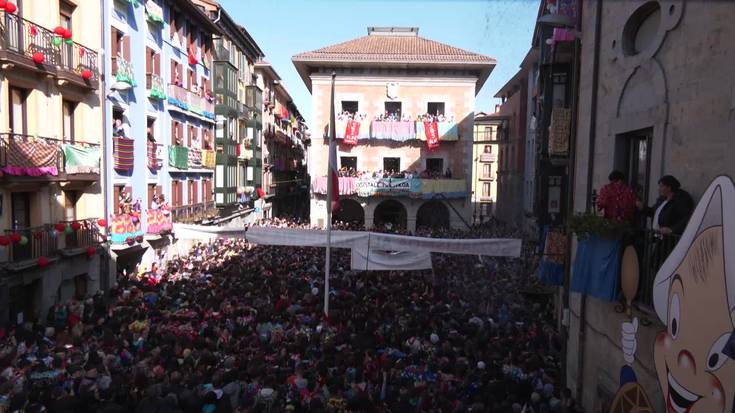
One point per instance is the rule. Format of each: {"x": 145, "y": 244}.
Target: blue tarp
{"x": 549, "y": 272}
{"x": 597, "y": 268}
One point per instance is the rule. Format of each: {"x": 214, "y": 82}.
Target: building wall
{"x": 414, "y": 93}
{"x": 512, "y": 156}
{"x": 683, "y": 88}
{"x": 47, "y": 200}
{"x": 483, "y": 207}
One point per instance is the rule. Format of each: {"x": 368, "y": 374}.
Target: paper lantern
{"x": 60, "y": 30}
{"x": 10, "y": 8}
{"x": 60, "y": 227}
{"x": 23, "y": 240}
{"x": 102, "y": 222}
{"x": 66, "y": 35}
{"x": 130, "y": 241}
{"x": 42, "y": 262}
{"x": 69, "y": 41}
{"x": 139, "y": 239}
{"x": 38, "y": 235}
{"x": 56, "y": 41}
{"x": 15, "y": 238}
{"x": 3, "y": 3}
{"x": 260, "y": 193}
{"x": 4, "y": 241}
{"x": 33, "y": 30}
{"x": 76, "y": 226}
{"x": 68, "y": 230}
{"x": 91, "y": 251}
{"x": 86, "y": 74}
{"x": 38, "y": 58}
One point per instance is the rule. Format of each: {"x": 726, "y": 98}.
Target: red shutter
{"x": 173, "y": 132}
{"x": 196, "y": 192}
{"x": 116, "y": 200}
{"x": 151, "y": 194}
{"x": 157, "y": 64}
{"x": 172, "y": 24}
{"x": 148, "y": 60}
{"x": 126, "y": 48}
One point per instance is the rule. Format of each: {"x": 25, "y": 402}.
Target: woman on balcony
{"x": 672, "y": 209}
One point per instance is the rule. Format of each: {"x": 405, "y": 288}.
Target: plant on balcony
{"x": 157, "y": 90}
{"x": 125, "y": 72}
{"x": 587, "y": 225}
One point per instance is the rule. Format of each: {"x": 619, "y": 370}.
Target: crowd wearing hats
{"x": 236, "y": 327}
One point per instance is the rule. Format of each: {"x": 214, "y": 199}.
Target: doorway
{"x": 633, "y": 157}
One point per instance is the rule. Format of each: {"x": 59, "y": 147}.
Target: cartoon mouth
{"x": 680, "y": 399}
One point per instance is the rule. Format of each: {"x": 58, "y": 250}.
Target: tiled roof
{"x": 394, "y": 49}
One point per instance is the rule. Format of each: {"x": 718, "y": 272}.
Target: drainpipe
{"x": 104, "y": 181}
{"x": 219, "y": 15}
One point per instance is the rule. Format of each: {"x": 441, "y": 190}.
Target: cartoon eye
{"x": 674, "y": 312}
{"x": 715, "y": 358}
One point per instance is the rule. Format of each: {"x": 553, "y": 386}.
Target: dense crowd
{"x": 234, "y": 327}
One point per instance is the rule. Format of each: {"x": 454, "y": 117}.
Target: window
{"x": 152, "y": 66}
{"x": 192, "y": 79}
{"x": 435, "y": 165}
{"x": 392, "y": 164}
{"x": 152, "y": 192}
{"x": 70, "y": 205}
{"x": 350, "y": 106}
{"x": 393, "y": 108}
{"x": 486, "y": 193}
{"x": 18, "y": 111}
{"x": 488, "y": 149}
{"x": 177, "y": 193}
{"x": 151, "y": 129}
{"x": 177, "y": 133}
{"x": 116, "y": 190}
{"x": 633, "y": 158}
{"x": 21, "y": 216}
{"x": 67, "y": 109}
{"x": 65, "y": 13}
{"x": 176, "y": 25}
{"x": 486, "y": 171}
{"x": 489, "y": 133}
{"x": 120, "y": 45}
{"x": 349, "y": 162}
{"x": 435, "y": 108}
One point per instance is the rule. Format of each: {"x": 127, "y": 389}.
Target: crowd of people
{"x": 236, "y": 327}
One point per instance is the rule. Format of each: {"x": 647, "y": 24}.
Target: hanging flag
{"x": 192, "y": 57}
{"x": 431, "y": 130}
{"x": 351, "y": 132}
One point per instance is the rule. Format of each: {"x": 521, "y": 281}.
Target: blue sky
{"x": 282, "y": 28}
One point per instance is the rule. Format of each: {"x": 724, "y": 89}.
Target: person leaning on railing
{"x": 673, "y": 208}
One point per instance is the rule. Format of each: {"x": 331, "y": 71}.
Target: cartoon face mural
{"x": 694, "y": 296}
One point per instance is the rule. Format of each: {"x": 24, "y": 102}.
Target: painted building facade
{"x": 390, "y": 81}
{"x": 485, "y": 150}
{"x": 160, "y": 123}
{"x": 51, "y": 195}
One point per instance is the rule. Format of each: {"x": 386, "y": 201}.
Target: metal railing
{"x": 193, "y": 100}
{"x": 28, "y": 151}
{"x": 40, "y": 241}
{"x": 191, "y": 212}
{"x": 155, "y": 155}
{"x": 87, "y": 235}
{"x": 154, "y": 83}
{"x": 653, "y": 249}
{"x": 123, "y": 70}
{"x": 26, "y": 38}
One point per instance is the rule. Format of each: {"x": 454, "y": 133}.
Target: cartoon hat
{"x": 719, "y": 197}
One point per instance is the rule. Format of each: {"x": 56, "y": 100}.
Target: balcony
{"x": 155, "y": 156}
{"x": 29, "y": 245}
{"x": 188, "y": 214}
{"x": 123, "y": 70}
{"x": 126, "y": 229}
{"x": 367, "y": 186}
{"x": 154, "y": 85}
{"x": 25, "y": 159}
{"x": 190, "y": 103}
{"x": 69, "y": 62}
{"x": 209, "y": 158}
{"x": 158, "y": 221}
{"x": 194, "y": 159}
{"x": 79, "y": 236}
{"x": 488, "y": 157}
{"x": 253, "y": 98}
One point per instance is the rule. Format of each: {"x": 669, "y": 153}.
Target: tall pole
{"x": 331, "y": 176}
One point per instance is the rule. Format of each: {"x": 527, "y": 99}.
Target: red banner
{"x": 351, "y": 132}
{"x": 431, "y": 130}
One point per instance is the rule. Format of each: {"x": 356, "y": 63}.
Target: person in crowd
{"x": 672, "y": 209}
{"x": 617, "y": 200}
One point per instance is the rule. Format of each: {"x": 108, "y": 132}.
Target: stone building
{"x": 390, "y": 82}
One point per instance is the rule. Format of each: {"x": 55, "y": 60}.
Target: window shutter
{"x": 151, "y": 194}
{"x": 148, "y": 60}
{"x": 157, "y": 64}
{"x": 116, "y": 200}
{"x": 173, "y": 132}
{"x": 126, "y": 48}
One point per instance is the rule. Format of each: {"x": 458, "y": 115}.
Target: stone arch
{"x": 644, "y": 88}
{"x": 390, "y": 212}
{"x": 432, "y": 214}
{"x": 350, "y": 211}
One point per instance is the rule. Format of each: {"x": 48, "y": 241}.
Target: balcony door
{"x": 65, "y": 13}
{"x": 21, "y": 215}
{"x": 67, "y": 109}
{"x": 634, "y": 159}
{"x": 17, "y": 115}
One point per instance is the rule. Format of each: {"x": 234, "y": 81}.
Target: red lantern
{"x": 59, "y": 30}
{"x": 15, "y": 238}
{"x": 67, "y": 34}
{"x": 38, "y": 235}
{"x": 76, "y": 226}
{"x": 10, "y": 8}
{"x": 91, "y": 251}
{"x": 38, "y": 58}
{"x": 34, "y": 31}
{"x": 60, "y": 227}
{"x": 86, "y": 74}
{"x": 3, "y": 3}
{"x": 102, "y": 222}
{"x": 260, "y": 192}
{"x": 130, "y": 241}
{"x": 139, "y": 239}
{"x": 4, "y": 241}
{"x": 42, "y": 262}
